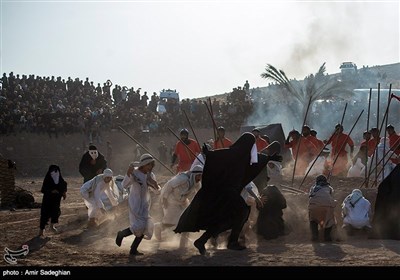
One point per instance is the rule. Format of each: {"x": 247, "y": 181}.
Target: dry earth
{"x": 74, "y": 245}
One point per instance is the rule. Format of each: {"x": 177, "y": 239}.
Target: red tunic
{"x": 185, "y": 157}
{"x": 226, "y": 143}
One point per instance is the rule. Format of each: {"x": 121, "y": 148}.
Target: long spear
{"x": 212, "y": 119}
{"x": 366, "y": 155}
{"x": 379, "y": 162}
{"x": 380, "y": 129}
{"x": 325, "y": 144}
{"x": 385, "y": 119}
{"x": 386, "y": 124}
{"x": 344, "y": 113}
{"x": 191, "y": 127}
{"x": 298, "y": 144}
{"x": 316, "y": 158}
{"x": 144, "y": 148}
{"x": 215, "y": 125}
{"x": 377, "y": 125}
{"x": 293, "y": 189}
{"x": 344, "y": 144}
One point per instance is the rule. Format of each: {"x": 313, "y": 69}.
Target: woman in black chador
{"x": 218, "y": 205}
{"x": 270, "y": 223}
{"x": 386, "y": 221}
{"x": 54, "y": 187}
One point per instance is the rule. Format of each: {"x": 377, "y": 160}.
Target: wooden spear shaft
{"x": 385, "y": 117}
{"x": 377, "y": 125}
{"x": 344, "y": 113}
{"x": 213, "y": 121}
{"x": 191, "y": 128}
{"x": 187, "y": 147}
{"x": 343, "y": 145}
{"x": 298, "y": 144}
{"x": 315, "y": 160}
{"x": 386, "y": 124}
{"x": 144, "y": 148}
{"x": 366, "y": 155}
{"x": 320, "y": 152}
{"x": 379, "y": 162}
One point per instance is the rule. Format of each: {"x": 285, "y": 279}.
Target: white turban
{"x": 107, "y": 173}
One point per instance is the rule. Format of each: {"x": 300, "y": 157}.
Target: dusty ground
{"x": 74, "y": 245}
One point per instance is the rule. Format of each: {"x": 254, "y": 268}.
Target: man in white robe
{"x": 92, "y": 192}
{"x": 356, "y": 212}
{"x": 250, "y": 195}
{"x": 176, "y": 196}
{"x": 139, "y": 178}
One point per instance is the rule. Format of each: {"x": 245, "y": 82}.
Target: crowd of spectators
{"x": 53, "y": 106}
{"x": 57, "y": 107}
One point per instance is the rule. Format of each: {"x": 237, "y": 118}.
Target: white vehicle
{"x": 169, "y": 100}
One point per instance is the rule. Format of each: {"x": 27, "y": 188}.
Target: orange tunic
{"x": 374, "y": 143}
{"x": 185, "y": 157}
{"x": 338, "y": 143}
{"x": 226, "y": 143}
{"x": 261, "y": 144}
{"x": 371, "y": 146}
{"x": 307, "y": 152}
{"x": 318, "y": 143}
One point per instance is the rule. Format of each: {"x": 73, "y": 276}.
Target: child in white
{"x": 139, "y": 178}
{"x": 176, "y": 196}
{"x": 92, "y": 192}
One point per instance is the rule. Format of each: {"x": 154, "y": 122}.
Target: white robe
{"x": 356, "y": 169}
{"x": 357, "y": 216}
{"x": 199, "y": 160}
{"x": 139, "y": 204}
{"x": 251, "y": 201}
{"x": 380, "y": 152}
{"x": 92, "y": 192}
{"x": 178, "y": 195}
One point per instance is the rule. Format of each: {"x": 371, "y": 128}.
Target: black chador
{"x": 218, "y": 205}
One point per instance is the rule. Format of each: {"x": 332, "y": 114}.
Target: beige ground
{"x": 76, "y": 246}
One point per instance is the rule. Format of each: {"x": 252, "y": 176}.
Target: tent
{"x": 275, "y": 133}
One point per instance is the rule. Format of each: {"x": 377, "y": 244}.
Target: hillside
{"x": 369, "y": 75}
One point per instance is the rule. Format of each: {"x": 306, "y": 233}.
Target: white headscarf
{"x": 195, "y": 170}
{"x": 56, "y": 176}
{"x": 107, "y": 173}
{"x": 353, "y": 198}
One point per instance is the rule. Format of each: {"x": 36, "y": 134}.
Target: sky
{"x": 200, "y": 48}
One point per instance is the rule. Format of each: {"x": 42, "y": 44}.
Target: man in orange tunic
{"x": 221, "y": 141}
{"x": 260, "y": 142}
{"x": 307, "y": 151}
{"x": 368, "y": 142}
{"x": 183, "y": 152}
{"x": 338, "y": 142}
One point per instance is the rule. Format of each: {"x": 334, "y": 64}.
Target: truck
{"x": 169, "y": 101}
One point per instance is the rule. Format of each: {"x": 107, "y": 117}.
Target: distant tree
{"x": 318, "y": 87}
